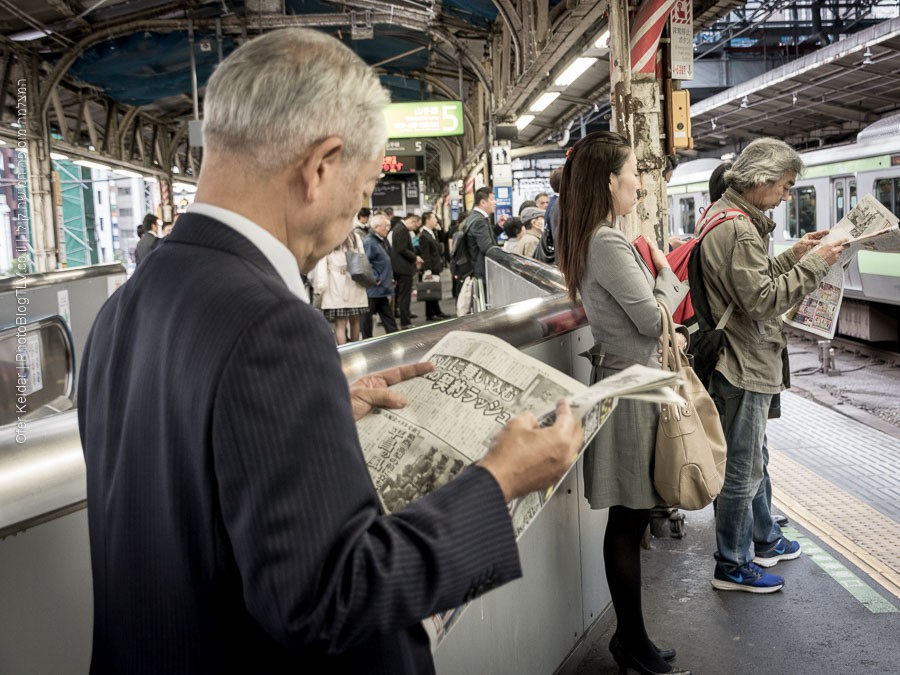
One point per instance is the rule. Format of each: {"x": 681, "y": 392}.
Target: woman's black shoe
{"x": 627, "y": 662}
{"x": 665, "y": 654}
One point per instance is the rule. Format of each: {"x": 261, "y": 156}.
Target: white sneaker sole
{"x": 771, "y": 562}
{"x": 721, "y": 585}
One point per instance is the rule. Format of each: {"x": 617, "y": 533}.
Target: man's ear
{"x": 318, "y": 165}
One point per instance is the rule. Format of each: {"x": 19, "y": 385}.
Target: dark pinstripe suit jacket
{"x": 233, "y": 522}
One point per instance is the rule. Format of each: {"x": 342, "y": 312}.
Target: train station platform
{"x": 838, "y": 481}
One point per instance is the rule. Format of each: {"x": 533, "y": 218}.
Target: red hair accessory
{"x": 570, "y": 152}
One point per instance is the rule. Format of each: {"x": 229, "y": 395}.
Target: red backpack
{"x": 680, "y": 257}
{"x": 707, "y": 338}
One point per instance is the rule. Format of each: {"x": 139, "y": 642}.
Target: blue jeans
{"x": 744, "y": 507}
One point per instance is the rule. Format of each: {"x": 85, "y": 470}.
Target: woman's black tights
{"x": 622, "y": 554}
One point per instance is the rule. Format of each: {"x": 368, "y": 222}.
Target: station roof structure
{"x": 107, "y": 56}
{"x": 823, "y": 98}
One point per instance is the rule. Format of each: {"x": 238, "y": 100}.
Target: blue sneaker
{"x": 784, "y": 549}
{"x": 748, "y": 578}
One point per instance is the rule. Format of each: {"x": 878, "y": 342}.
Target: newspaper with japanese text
{"x": 479, "y": 383}
{"x": 870, "y": 226}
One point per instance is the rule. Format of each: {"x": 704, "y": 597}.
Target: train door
{"x": 843, "y": 196}
{"x": 843, "y": 199}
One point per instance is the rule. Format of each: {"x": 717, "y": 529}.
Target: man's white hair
{"x": 765, "y": 160}
{"x": 280, "y": 93}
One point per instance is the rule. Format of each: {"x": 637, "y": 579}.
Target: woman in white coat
{"x": 343, "y": 300}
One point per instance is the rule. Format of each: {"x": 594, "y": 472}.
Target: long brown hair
{"x": 585, "y": 199}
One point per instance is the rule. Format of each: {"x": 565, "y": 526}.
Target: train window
{"x": 688, "y": 216}
{"x": 887, "y": 191}
{"x": 801, "y": 212}
{"x": 851, "y": 188}
{"x": 838, "y": 201}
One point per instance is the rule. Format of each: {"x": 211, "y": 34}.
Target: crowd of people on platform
{"x": 233, "y": 522}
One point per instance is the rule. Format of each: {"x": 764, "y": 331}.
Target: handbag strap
{"x": 669, "y": 340}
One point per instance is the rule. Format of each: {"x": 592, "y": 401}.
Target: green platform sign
{"x": 424, "y": 119}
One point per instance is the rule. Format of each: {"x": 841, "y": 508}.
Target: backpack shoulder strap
{"x": 710, "y": 220}
{"x": 707, "y": 224}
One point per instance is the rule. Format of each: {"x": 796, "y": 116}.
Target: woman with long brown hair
{"x": 621, "y": 297}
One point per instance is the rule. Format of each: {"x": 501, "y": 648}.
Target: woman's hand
{"x": 657, "y": 256}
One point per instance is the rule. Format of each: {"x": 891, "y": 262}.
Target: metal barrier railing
{"x": 45, "y": 478}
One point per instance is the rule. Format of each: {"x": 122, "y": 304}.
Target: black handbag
{"x": 428, "y": 290}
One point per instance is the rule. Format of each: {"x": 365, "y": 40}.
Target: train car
{"x": 834, "y": 180}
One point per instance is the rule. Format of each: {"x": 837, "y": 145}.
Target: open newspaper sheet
{"x": 479, "y": 383}
{"x": 870, "y": 226}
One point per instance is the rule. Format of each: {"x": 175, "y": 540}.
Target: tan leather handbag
{"x": 689, "y": 465}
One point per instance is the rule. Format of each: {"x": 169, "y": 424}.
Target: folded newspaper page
{"x": 479, "y": 383}
{"x": 870, "y": 226}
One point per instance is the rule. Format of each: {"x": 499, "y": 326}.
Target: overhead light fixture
{"x": 524, "y": 121}
{"x": 184, "y": 187}
{"x": 574, "y": 70}
{"x": 602, "y": 41}
{"x": 175, "y": 169}
{"x": 745, "y": 102}
{"x": 58, "y": 156}
{"x": 727, "y": 157}
{"x": 2, "y": 142}
{"x": 128, "y": 173}
{"x": 543, "y": 101}
{"x": 712, "y": 123}
{"x": 92, "y": 165}
{"x": 867, "y": 57}
{"x": 28, "y": 35}
{"x": 794, "y": 98}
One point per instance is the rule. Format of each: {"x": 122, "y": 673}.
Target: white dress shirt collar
{"x": 274, "y": 251}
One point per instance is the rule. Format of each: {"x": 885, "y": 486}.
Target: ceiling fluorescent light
{"x": 574, "y": 70}
{"x": 28, "y": 35}
{"x": 524, "y": 121}
{"x": 602, "y": 41}
{"x": 91, "y": 165}
{"x": 58, "y": 156}
{"x": 128, "y": 173}
{"x": 543, "y": 101}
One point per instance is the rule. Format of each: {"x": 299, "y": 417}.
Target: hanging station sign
{"x": 424, "y": 119}
{"x": 681, "y": 44}
{"x": 403, "y": 164}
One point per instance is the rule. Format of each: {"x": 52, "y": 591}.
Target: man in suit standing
{"x": 479, "y": 235}
{"x": 378, "y": 251}
{"x": 404, "y": 261}
{"x": 432, "y": 253}
{"x": 233, "y": 524}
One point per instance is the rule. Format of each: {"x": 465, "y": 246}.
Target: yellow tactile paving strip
{"x": 867, "y": 538}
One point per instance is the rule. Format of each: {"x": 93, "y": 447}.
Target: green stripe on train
{"x": 851, "y": 166}
{"x": 875, "y": 262}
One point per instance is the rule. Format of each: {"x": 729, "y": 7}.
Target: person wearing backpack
{"x": 622, "y": 301}
{"x": 752, "y": 368}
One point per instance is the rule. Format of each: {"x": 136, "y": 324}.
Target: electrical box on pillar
{"x": 679, "y": 119}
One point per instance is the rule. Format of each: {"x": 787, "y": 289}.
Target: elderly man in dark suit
{"x": 378, "y": 251}
{"x": 233, "y": 524}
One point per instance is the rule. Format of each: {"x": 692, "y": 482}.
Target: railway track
{"x": 889, "y": 355}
